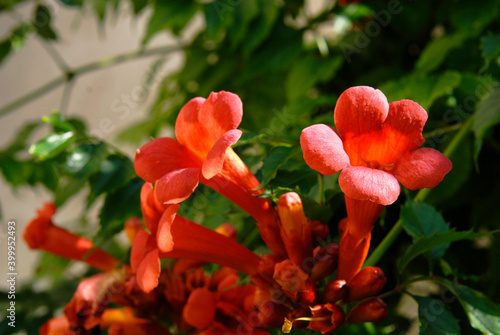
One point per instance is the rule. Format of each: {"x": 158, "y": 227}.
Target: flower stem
{"x": 421, "y": 196}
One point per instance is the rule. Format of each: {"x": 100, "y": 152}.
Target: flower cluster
{"x": 307, "y": 281}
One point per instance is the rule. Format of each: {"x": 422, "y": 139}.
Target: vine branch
{"x": 92, "y": 66}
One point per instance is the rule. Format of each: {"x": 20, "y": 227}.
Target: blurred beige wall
{"x": 92, "y": 96}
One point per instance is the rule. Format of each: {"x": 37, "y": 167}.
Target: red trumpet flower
{"x": 205, "y": 131}
{"x": 41, "y": 233}
{"x": 173, "y": 236}
{"x": 376, "y": 147}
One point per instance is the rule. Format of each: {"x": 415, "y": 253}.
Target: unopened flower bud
{"x": 335, "y": 290}
{"x": 326, "y": 261}
{"x": 367, "y": 282}
{"x": 295, "y": 230}
{"x": 319, "y": 232}
{"x": 372, "y": 309}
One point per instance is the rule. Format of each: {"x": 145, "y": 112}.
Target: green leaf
{"x": 422, "y": 89}
{"x": 217, "y": 18}
{"x": 490, "y": 46}
{"x": 487, "y": 115}
{"x": 243, "y": 12}
{"x": 170, "y": 15}
{"x": 42, "y": 22}
{"x": 85, "y": 159}
{"x": 276, "y": 158}
{"x": 15, "y": 41}
{"x": 51, "y": 145}
{"x": 67, "y": 188}
{"x": 462, "y": 167}
{"x": 426, "y": 243}
{"x": 435, "y": 52}
{"x": 473, "y": 16}
{"x": 262, "y": 26}
{"x": 119, "y": 206}
{"x": 420, "y": 219}
{"x": 56, "y": 120}
{"x": 483, "y": 314}
{"x": 307, "y": 72}
{"x": 435, "y": 318}
{"x": 114, "y": 172}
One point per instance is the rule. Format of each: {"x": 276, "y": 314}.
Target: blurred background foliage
{"x": 289, "y": 60}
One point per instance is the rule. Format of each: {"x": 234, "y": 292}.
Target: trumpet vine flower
{"x": 377, "y": 147}
{"x": 41, "y": 233}
{"x": 205, "y": 130}
{"x": 172, "y": 236}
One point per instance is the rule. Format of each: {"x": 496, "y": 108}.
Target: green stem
{"x": 393, "y": 234}
{"x": 96, "y": 65}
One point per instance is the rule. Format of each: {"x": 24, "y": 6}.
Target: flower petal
{"x": 164, "y": 238}
{"x": 403, "y": 127}
{"x": 194, "y": 241}
{"x": 140, "y": 248}
{"x": 177, "y": 186}
{"x": 362, "y": 183}
{"x": 199, "y": 310}
{"x": 221, "y": 113}
{"x": 215, "y": 158}
{"x": 323, "y": 149}
{"x": 161, "y": 156}
{"x": 148, "y": 272}
{"x": 360, "y": 110}
{"x": 151, "y": 208}
{"x": 422, "y": 168}
{"x": 189, "y": 131}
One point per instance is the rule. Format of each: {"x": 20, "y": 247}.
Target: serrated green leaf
{"x": 483, "y": 314}
{"x": 85, "y": 159}
{"x": 435, "y": 318}
{"x": 307, "y": 72}
{"x": 42, "y": 22}
{"x": 113, "y": 173}
{"x": 420, "y": 219}
{"x": 16, "y": 172}
{"x": 67, "y": 188}
{"x": 426, "y": 243}
{"x": 170, "y": 15}
{"x": 487, "y": 115}
{"x": 437, "y": 50}
{"x": 119, "y": 206}
{"x": 51, "y": 145}
{"x": 276, "y": 158}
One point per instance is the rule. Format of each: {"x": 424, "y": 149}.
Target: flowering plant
{"x": 342, "y": 212}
